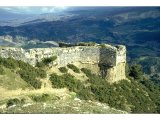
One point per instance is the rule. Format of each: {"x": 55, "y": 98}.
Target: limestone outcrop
{"x": 108, "y": 61}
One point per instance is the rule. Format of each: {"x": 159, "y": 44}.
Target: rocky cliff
{"x": 108, "y": 61}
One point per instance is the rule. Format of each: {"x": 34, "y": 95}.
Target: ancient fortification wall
{"x": 109, "y": 62}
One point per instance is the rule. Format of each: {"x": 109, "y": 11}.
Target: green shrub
{"x": 41, "y": 98}
{"x": 102, "y": 45}
{"x": 63, "y": 69}
{"x": 9, "y": 63}
{"x": 129, "y": 96}
{"x": 65, "y": 80}
{"x": 15, "y": 101}
{"x": 27, "y": 72}
{"x": 56, "y": 81}
{"x": 30, "y": 74}
{"x": 81, "y": 44}
{"x": 41, "y": 73}
{"x": 40, "y": 64}
{"x": 86, "y": 71}
{"x": 85, "y": 94}
{"x": 46, "y": 97}
{"x": 46, "y": 61}
{"x": 30, "y": 78}
{"x": 124, "y": 95}
{"x": 153, "y": 89}
{"x": 62, "y": 44}
{"x": 93, "y": 78}
{"x": 49, "y": 60}
{"x": 23, "y": 101}
{"x": 2, "y": 72}
{"x": 74, "y": 68}
{"x": 86, "y": 44}
{"x": 136, "y": 72}
{"x": 36, "y": 84}
{"x": 69, "y": 81}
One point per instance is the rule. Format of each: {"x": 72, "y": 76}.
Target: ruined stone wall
{"x": 121, "y": 54}
{"x": 109, "y": 62}
{"x": 117, "y": 72}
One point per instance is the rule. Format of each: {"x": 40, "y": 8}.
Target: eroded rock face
{"x": 109, "y": 62}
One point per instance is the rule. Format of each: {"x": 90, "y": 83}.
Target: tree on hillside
{"x": 136, "y": 72}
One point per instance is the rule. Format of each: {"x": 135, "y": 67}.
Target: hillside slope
{"x": 18, "y": 95}
{"x": 63, "y": 89}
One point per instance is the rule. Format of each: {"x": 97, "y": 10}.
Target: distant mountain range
{"x": 136, "y": 27}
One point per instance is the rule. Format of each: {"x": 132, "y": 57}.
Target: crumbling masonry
{"x": 107, "y": 61}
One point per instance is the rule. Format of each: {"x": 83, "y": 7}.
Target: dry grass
{"x": 12, "y": 81}
{"x": 62, "y": 102}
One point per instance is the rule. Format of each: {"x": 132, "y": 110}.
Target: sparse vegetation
{"x": 137, "y": 28}
{"x": 136, "y": 72}
{"x": 30, "y": 77}
{"x": 63, "y": 69}
{"x": 9, "y": 63}
{"x": 15, "y": 101}
{"x": 150, "y": 65}
{"x": 130, "y": 96}
{"x": 25, "y": 70}
{"x": 66, "y": 80}
{"x": 87, "y": 72}
{"x": 64, "y": 106}
{"x": 40, "y": 64}
{"x": 62, "y": 44}
{"x": 41, "y": 98}
{"x": 71, "y": 83}
{"x": 86, "y": 44}
{"x": 2, "y": 72}
{"x": 30, "y": 74}
{"x": 41, "y": 73}
{"x": 139, "y": 95}
{"x": 102, "y": 45}
{"x": 46, "y": 61}
{"x": 74, "y": 68}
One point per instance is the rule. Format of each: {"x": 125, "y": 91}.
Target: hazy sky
{"x": 34, "y": 10}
